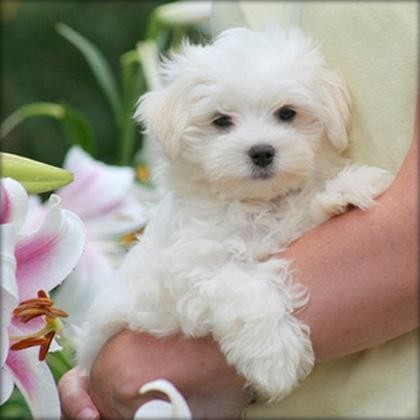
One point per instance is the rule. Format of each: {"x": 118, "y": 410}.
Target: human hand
{"x": 75, "y": 400}
{"x": 196, "y": 367}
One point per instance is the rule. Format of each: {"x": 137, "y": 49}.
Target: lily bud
{"x": 36, "y": 177}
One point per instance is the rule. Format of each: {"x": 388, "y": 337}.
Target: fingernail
{"x": 88, "y": 413}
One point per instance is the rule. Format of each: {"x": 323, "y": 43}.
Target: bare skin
{"x": 361, "y": 270}
{"x": 364, "y": 288}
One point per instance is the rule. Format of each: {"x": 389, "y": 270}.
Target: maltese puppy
{"x": 252, "y": 130}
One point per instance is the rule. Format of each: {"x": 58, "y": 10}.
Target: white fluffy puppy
{"x": 252, "y": 128}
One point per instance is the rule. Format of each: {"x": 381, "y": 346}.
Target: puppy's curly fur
{"x": 252, "y": 129}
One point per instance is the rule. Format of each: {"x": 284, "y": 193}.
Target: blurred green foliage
{"x": 15, "y": 408}
{"x": 39, "y": 65}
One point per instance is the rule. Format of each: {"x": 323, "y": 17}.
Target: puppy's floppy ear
{"x": 161, "y": 114}
{"x": 335, "y": 99}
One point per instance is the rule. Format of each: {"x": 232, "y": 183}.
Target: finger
{"x": 74, "y": 396}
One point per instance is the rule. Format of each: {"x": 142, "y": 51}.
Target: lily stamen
{"x": 34, "y": 308}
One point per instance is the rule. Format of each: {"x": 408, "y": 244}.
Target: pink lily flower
{"x": 33, "y": 263}
{"x": 103, "y": 197}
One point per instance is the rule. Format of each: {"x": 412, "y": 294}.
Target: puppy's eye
{"x": 285, "y": 113}
{"x": 223, "y": 121}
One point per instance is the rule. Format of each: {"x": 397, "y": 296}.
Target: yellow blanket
{"x": 374, "y": 45}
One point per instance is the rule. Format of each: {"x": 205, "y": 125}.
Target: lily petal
{"x": 154, "y": 409}
{"x": 8, "y": 261}
{"x": 46, "y": 257}
{"x": 9, "y": 289}
{"x": 92, "y": 274}
{"x": 35, "y": 216}
{"x": 19, "y": 328}
{"x": 6, "y": 385}
{"x": 177, "y": 408}
{"x": 184, "y": 13}
{"x": 226, "y": 14}
{"x": 127, "y": 217}
{"x": 97, "y": 189}
{"x": 259, "y": 13}
{"x": 8, "y": 302}
{"x": 253, "y": 14}
{"x": 13, "y": 202}
{"x": 35, "y": 381}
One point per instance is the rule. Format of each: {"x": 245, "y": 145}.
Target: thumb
{"x": 74, "y": 396}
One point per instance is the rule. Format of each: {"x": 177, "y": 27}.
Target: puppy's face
{"x": 247, "y": 114}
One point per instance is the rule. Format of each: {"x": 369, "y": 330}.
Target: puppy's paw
{"x": 272, "y": 359}
{"x": 354, "y": 185}
{"x": 366, "y": 184}
{"x": 328, "y": 204}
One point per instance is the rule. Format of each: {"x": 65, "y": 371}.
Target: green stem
{"x": 133, "y": 85}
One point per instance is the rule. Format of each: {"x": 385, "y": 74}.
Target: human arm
{"x": 361, "y": 271}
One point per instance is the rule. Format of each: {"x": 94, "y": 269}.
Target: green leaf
{"x": 36, "y": 177}
{"x": 73, "y": 122}
{"x": 77, "y": 129}
{"x": 133, "y": 85}
{"x": 58, "y": 364}
{"x": 99, "y": 66}
{"x": 15, "y": 407}
{"x": 130, "y": 78}
{"x": 38, "y": 109}
{"x": 148, "y": 55}
{"x": 61, "y": 361}
{"x": 154, "y": 25}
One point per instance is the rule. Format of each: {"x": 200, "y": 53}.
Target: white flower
{"x": 253, "y": 14}
{"x": 184, "y": 13}
{"x": 176, "y": 408}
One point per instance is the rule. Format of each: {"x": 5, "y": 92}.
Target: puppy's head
{"x": 249, "y": 114}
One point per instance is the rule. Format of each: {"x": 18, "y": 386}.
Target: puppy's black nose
{"x": 262, "y": 155}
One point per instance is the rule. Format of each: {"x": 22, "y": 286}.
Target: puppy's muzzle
{"x": 262, "y": 155}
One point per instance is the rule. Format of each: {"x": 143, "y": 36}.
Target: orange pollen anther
{"x": 129, "y": 239}
{"x": 143, "y": 173}
{"x": 34, "y": 308}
